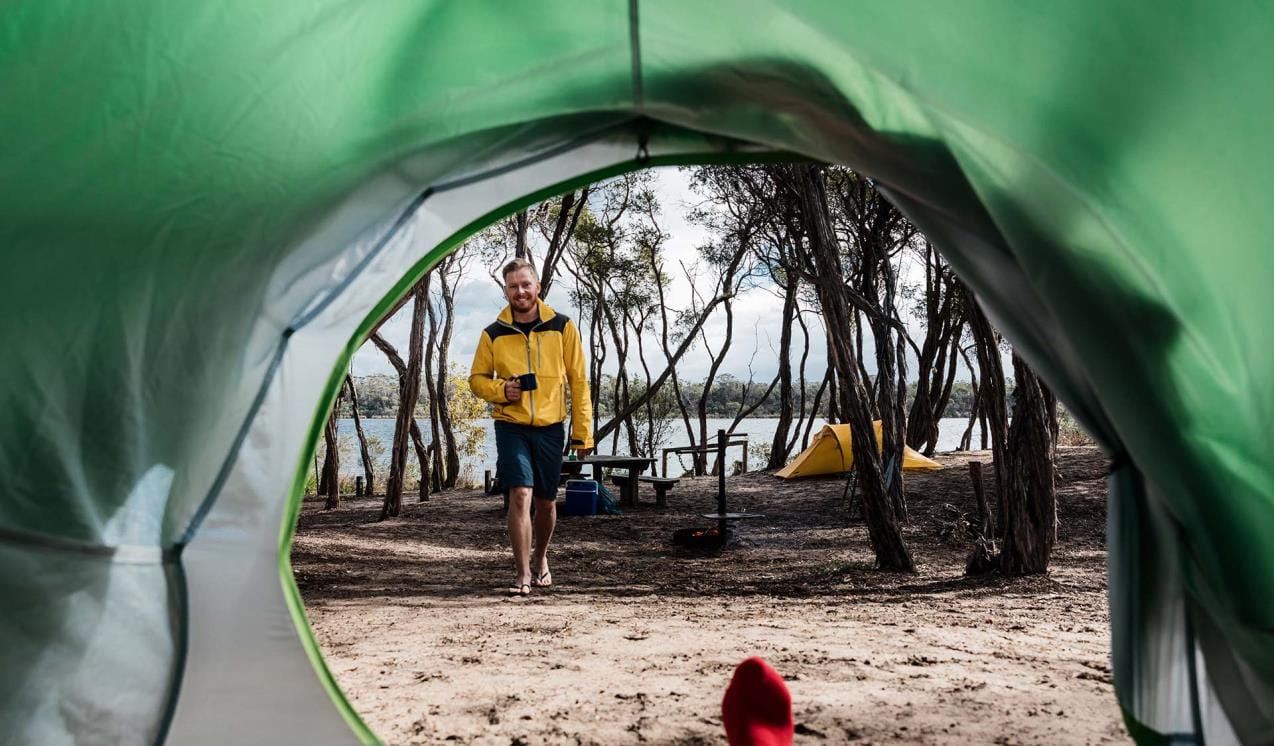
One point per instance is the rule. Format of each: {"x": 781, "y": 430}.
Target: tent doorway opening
{"x": 635, "y": 641}
{"x": 206, "y": 214}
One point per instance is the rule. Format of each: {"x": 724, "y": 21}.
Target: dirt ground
{"x": 636, "y": 641}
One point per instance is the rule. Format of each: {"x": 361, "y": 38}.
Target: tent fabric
{"x": 234, "y": 626}
{"x": 831, "y": 452}
{"x": 204, "y": 206}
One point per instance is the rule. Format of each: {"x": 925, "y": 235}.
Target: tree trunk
{"x": 982, "y": 558}
{"x": 891, "y": 430}
{"x": 717, "y": 358}
{"x": 802, "y": 424}
{"x": 597, "y": 354}
{"x": 944, "y": 398}
{"x": 1030, "y": 500}
{"x": 779, "y": 449}
{"x": 567, "y": 219}
{"x": 409, "y": 392}
{"x": 521, "y": 223}
{"x": 919, "y": 419}
{"x": 992, "y": 394}
{"x": 331, "y": 463}
{"x": 670, "y": 361}
{"x": 620, "y": 395}
{"x": 608, "y": 427}
{"x": 975, "y": 405}
{"x": 834, "y": 415}
{"x": 437, "y": 470}
{"x": 417, "y": 440}
{"x": 328, "y": 438}
{"x": 891, "y": 371}
{"x": 936, "y": 362}
{"x": 450, "y": 458}
{"x": 369, "y": 476}
{"x": 814, "y": 409}
{"x": 860, "y": 358}
{"x": 937, "y": 368}
{"x": 882, "y": 524}
{"x": 897, "y": 440}
{"x": 649, "y": 436}
{"x": 966, "y": 440}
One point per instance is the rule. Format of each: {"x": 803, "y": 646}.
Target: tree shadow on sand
{"x": 454, "y": 547}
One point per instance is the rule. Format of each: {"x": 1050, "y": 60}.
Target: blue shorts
{"x": 528, "y": 456}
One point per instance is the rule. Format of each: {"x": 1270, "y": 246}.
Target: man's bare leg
{"x": 545, "y": 521}
{"x": 519, "y": 521}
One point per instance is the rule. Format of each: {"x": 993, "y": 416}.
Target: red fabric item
{"x": 757, "y": 707}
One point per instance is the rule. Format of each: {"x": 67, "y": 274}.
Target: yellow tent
{"x": 830, "y": 453}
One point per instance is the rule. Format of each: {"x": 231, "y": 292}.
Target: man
{"x": 529, "y": 337}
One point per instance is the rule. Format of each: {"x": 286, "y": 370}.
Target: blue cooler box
{"x": 581, "y": 497}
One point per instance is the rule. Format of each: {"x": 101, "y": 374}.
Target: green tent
{"x": 206, "y": 205}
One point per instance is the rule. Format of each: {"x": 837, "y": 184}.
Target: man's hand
{"x": 513, "y": 390}
{"x": 582, "y": 452}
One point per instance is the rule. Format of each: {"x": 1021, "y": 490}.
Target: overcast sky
{"x": 757, "y": 312}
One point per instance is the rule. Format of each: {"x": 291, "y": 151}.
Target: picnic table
{"x": 734, "y": 439}
{"x": 634, "y": 465}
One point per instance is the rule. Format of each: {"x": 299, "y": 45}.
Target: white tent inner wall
{"x": 248, "y": 676}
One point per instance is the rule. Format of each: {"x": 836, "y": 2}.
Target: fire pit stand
{"x": 720, "y": 536}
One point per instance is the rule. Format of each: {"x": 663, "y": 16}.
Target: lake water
{"x": 758, "y": 429}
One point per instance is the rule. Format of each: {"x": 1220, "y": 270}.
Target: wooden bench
{"x": 661, "y": 485}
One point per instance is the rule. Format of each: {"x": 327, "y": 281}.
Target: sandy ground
{"x": 636, "y": 641}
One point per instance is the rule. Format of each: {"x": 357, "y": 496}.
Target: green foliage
{"x": 411, "y": 473}
{"x": 723, "y": 400}
{"x": 347, "y": 448}
{"x": 758, "y": 454}
{"x": 656, "y": 422}
{"x": 1069, "y": 432}
{"x": 959, "y": 405}
{"x": 377, "y": 397}
{"x": 376, "y": 448}
{"x": 467, "y": 413}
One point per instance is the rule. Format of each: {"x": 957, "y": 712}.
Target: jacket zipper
{"x": 529, "y": 368}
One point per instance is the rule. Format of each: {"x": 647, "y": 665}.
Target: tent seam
{"x": 66, "y": 544}
{"x": 224, "y": 473}
{"x": 181, "y": 654}
{"x": 336, "y": 292}
{"x": 634, "y": 47}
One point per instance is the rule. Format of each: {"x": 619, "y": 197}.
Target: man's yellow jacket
{"x": 553, "y": 352}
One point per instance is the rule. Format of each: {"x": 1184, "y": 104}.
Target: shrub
{"x": 1069, "y": 432}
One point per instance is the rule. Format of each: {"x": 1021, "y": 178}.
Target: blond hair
{"x": 517, "y": 264}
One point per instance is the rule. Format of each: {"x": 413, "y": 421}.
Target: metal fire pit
{"x": 700, "y": 539}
